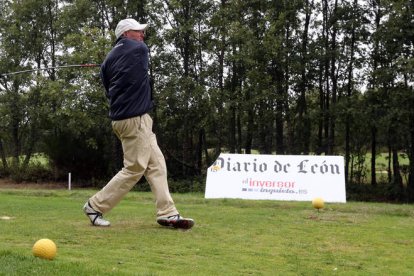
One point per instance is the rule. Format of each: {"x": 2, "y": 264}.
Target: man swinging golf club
{"x": 124, "y": 74}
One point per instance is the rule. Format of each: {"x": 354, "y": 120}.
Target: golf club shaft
{"x": 50, "y": 68}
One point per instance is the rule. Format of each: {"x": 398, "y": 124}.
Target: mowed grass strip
{"x": 231, "y": 237}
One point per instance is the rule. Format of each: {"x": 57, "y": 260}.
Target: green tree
{"x": 394, "y": 44}
{"x": 183, "y": 100}
{"x": 23, "y": 44}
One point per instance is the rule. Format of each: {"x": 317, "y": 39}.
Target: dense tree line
{"x": 277, "y": 77}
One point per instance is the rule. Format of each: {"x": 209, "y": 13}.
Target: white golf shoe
{"x": 94, "y": 216}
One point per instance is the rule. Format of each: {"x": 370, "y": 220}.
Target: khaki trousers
{"x": 142, "y": 157}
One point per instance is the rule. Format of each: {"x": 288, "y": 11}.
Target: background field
{"x": 231, "y": 237}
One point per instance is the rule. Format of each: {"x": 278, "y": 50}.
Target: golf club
{"x": 87, "y": 65}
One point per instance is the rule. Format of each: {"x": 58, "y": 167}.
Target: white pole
{"x": 70, "y": 181}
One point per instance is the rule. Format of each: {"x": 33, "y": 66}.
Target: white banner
{"x": 277, "y": 177}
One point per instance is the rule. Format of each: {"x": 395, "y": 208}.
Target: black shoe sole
{"x": 184, "y": 224}
{"x": 180, "y": 223}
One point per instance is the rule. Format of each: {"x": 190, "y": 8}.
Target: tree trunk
{"x": 15, "y": 124}
{"x": 232, "y": 129}
{"x": 320, "y": 141}
{"x": 350, "y": 89}
{"x": 199, "y": 151}
{"x": 280, "y": 147}
{"x": 239, "y": 131}
{"x": 374, "y": 84}
{"x": 205, "y": 148}
{"x": 232, "y": 105}
{"x": 326, "y": 70}
{"x": 389, "y": 170}
{"x": 373, "y": 155}
{"x": 396, "y": 177}
{"x": 303, "y": 120}
{"x": 333, "y": 77}
{"x": 3, "y": 156}
{"x": 249, "y": 132}
{"x": 410, "y": 184}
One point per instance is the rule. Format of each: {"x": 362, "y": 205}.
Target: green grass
{"x": 382, "y": 159}
{"x": 231, "y": 237}
{"x": 381, "y": 166}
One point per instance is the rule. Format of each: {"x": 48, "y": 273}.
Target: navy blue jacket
{"x": 124, "y": 74}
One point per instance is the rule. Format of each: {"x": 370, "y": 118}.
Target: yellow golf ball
{"x": 45, "y": 249}
{"x": 318, "y": 203}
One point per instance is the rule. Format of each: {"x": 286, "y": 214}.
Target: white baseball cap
{"x": 128, "y": 24}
